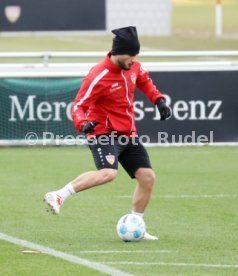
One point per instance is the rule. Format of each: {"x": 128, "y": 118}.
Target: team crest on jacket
{"x": 133, "y": 78}
{"x": 110, "y": 158}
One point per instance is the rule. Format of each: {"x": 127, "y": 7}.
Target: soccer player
{"x": 103, "y": 110}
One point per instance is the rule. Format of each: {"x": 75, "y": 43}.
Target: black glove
{"x": 164, "y": 110}
{"x": 89, "y": 127}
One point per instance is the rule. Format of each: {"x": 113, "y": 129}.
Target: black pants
{"x": 107, "y": 151}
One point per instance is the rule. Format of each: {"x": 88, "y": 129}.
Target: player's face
{"x": 125, "y": 61}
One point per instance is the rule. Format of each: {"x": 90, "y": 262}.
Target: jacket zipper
{"x": 129, "y": 102}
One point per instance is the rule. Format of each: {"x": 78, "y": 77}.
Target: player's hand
{"x": 89, "y": 127}
{"x": 164, "y": 110}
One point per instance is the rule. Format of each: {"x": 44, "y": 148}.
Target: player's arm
{"x": 146, "y": 85}
{"x": 87, "y": 95}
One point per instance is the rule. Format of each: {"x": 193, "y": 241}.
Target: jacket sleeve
{"x": 145, "y": 84}
{"x": 87, "y": 95}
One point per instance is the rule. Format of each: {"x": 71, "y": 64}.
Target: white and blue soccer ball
{"x": 131, "y": 227}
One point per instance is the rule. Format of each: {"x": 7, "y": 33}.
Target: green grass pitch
{"x": 193, "y": 210}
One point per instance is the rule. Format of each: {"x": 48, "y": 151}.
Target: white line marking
{"x": 125, "y": 251}
{"x": 67, "y": 257}
{"x": 187, "y": 196}
{"x": 176, "y": 264}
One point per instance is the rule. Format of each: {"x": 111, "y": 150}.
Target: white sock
{"x": 66, "y": 191}
{"x": 138, "y": 214}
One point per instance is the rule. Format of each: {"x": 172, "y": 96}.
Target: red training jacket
{"x": 107, "y": 95}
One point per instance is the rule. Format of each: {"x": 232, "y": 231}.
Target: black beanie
{"x": 125, "y": 42}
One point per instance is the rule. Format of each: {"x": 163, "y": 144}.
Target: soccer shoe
{"x": 149, "y": 237}
{"x": 54, "y": 202}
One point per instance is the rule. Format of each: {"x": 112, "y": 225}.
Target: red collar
{"x": 110, "y": 65}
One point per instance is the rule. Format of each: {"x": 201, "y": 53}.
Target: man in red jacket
{"x": 103, "y": 110}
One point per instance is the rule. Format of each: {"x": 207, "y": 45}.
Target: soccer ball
{"x": 131, "y": 227}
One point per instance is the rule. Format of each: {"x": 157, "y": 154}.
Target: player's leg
{"x": 136, "y": 162}
{"x": 145, "y": 181}
{"x": 105, "y": 158}
{"x": 84, "y": 181}
{"x": 93, "y": 178}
